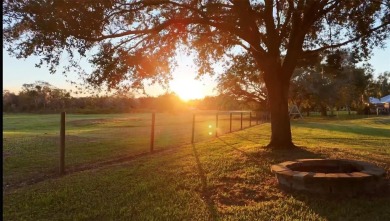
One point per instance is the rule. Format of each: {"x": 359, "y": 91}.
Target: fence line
{"x": 217, "y": 130}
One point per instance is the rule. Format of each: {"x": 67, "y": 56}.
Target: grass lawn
{"x": 225, "y": 178}
{"x": 31, "y": 141}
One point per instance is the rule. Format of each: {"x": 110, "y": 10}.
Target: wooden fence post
{"x": 216, "y": 125}
{"x": 241, "y": 120}
{"x": 193, "y": 128}
{"x": 230, "y": 122}
{"x": 62, "y": 144}
{"x": 152, "y": 132}
{"x": 250, "y": 119}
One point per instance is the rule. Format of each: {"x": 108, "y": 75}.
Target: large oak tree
{"x": 133, "y": 40}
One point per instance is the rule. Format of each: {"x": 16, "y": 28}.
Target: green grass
{"x": 31, "y": 142}
{"x": 225, "y": 178}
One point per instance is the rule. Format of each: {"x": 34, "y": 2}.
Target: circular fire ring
{"x": 330, "y": 176}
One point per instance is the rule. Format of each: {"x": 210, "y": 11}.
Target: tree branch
{"x": 310, "y": 52}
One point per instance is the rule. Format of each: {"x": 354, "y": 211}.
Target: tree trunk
{"x": 278, "y": 89}
{"x": 324, "y": 112}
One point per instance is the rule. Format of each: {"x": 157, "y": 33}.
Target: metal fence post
{"x": 241, "y": 120}
{"x": 62, "y": 144}
{"x": 152, "y": 132}
{"x": 230, "y": 122}
{"x": 216, "y": 125}
{"x": 193, "y": 128}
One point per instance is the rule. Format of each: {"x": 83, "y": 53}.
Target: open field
{"x": 225, "y": 178}
{"x": 31, "y": 142}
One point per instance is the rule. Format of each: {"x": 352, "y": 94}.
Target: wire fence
{"x": 37, "y": 145}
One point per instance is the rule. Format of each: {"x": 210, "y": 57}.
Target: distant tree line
{"x": 38, "y": 96}
{"x": 42, "y": 97}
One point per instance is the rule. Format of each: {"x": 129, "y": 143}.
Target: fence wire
{"x": 31, "y": 143}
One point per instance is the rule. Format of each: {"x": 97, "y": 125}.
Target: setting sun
{"x": 186, "y": 86}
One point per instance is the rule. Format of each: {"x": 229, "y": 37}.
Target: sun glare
{"x": 186, "y": 86}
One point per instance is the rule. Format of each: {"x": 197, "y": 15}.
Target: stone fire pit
{"x": 330, "y": 176}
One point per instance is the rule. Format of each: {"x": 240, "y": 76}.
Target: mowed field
{"x": 31, "y": 142}
{"x": 224, "y": 178}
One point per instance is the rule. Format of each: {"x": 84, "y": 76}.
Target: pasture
{"x": 224, "y": 178}
{"x": 31, "y": 142}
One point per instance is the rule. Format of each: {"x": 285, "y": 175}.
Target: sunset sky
{"x": 18, "y": 72}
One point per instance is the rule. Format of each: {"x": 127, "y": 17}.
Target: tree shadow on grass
{"x": 280, "y": 155}
{"x": 364, "y": 207}
{"x": 336, "y": 207}
{"x": 261, "y": 185}
{"x": 206, "y": 191}
{"x": 355, "y": 129}
{"x": 274, "y": 155}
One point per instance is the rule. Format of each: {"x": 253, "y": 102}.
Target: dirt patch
{"x": 80, "y": 139}
{"x": 125, "y": 122}
{"x": 86, "y": 122}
